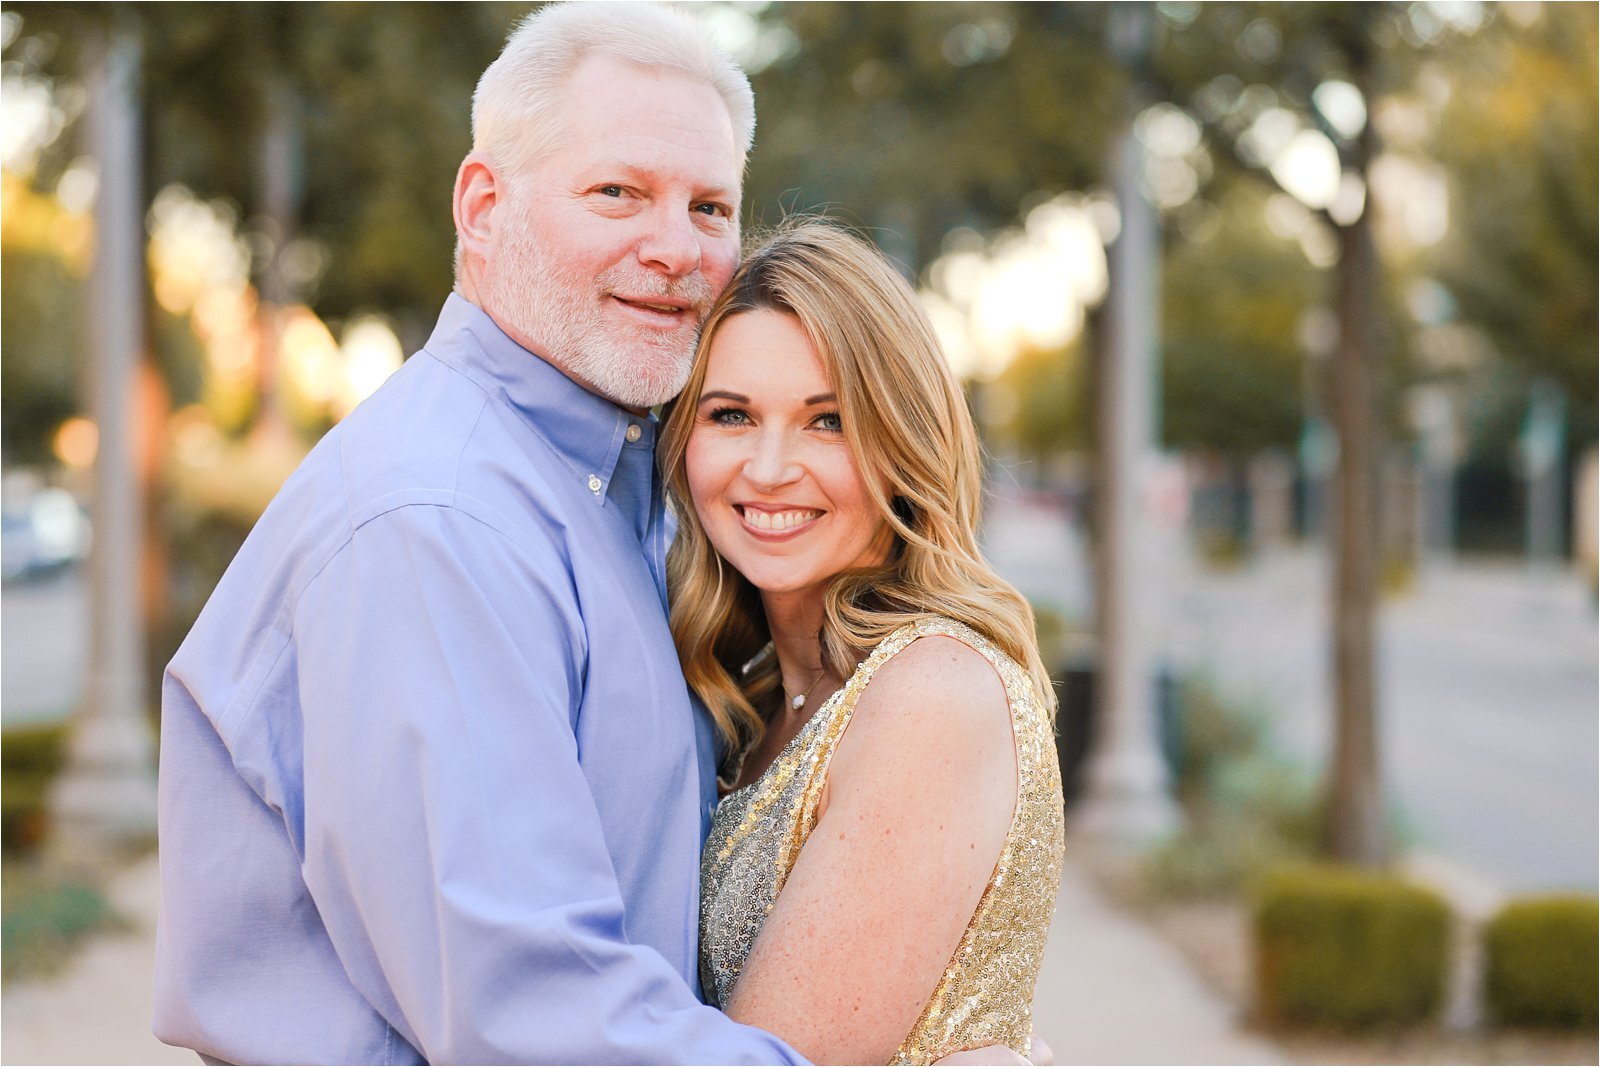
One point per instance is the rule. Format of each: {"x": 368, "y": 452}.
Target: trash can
{"x": 1075, "y": 722}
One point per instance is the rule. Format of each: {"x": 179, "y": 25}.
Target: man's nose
{"x": 772, "y": 463}
{"x": 670, "y": 244}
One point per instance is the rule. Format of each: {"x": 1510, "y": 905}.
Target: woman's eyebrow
{"x": 820, "y": 398}
{"x": 723, "y": 394}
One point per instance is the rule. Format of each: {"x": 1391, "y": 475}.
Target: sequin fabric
{"x": 985, "y": 995}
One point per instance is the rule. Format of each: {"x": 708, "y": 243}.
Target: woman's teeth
{"x": 777, "y": 520}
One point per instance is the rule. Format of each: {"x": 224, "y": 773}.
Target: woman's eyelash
{"x": 721, "y": 414}
{"x": 738, "y": 416}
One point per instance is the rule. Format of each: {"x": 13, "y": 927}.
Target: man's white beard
{"x": 560, "y": 310}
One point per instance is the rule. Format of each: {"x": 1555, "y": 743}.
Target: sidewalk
{"x": 1111, "y": 993}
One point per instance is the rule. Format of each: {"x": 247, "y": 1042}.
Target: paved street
{"x": 44, "y": 633}
{"x": 1488, "y": 680}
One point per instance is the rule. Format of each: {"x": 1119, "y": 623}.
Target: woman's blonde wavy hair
{"x": 913, "y": 440}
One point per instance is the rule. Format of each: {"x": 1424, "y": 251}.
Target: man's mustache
{"x": 693, "y": 288}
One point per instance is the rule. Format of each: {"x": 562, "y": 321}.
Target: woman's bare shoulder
{"x": 939, "y": 700}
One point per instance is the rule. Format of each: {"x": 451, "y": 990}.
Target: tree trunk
{"x": 1356, "y": 832}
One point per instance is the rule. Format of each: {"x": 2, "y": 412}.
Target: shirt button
{"x": 634, "y": 433}
{"x": 594, "y": 484}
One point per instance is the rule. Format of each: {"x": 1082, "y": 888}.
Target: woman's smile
{"x": 769, "y": 521}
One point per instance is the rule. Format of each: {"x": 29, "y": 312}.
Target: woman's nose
{"x": 772, "y": 463}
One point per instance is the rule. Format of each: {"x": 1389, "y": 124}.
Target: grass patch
{"x": 44, "y": 916}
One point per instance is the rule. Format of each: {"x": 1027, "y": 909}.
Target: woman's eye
{"x": 830, "y": 421}
{"x": 730, "y": 417}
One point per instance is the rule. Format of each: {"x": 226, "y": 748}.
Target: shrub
{"x": 1348, "y": 948}
{"x": 1246, "y": 808}
{"x": 1540, "y": 962}
{"x": 30, "y": 756}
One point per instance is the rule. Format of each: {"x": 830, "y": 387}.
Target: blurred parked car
{"x": 41, "y": 533}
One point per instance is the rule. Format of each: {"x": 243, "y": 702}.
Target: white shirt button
{"x": 634, "y": 433}
{"x": 594, "y": 484}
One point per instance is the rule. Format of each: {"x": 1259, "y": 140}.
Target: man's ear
{"x": 476, "y": 196}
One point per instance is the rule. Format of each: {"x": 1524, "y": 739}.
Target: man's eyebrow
{"x": 723, "y": 394}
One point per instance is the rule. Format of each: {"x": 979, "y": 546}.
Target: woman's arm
{"x": 919, "y": 798}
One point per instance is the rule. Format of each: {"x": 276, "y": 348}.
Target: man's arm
{"x": 451, "y": 842}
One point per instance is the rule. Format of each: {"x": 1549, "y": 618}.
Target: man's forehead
{"x": 628, "y": 119}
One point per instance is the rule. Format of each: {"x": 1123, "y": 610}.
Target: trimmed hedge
{"x": 30, "y": 756}
{"x": 1540, "y": 962}
{"x": 1352, "y": 949}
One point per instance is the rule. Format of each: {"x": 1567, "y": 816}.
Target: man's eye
{"x": 611, "y": 190}
{"x": 715, "y": 210}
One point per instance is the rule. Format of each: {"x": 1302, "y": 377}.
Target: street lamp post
{"x": 105, "y": 800}
{"x": 1127, "y": 800}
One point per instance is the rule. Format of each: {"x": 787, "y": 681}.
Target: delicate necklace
{"x": 799, "y": 700}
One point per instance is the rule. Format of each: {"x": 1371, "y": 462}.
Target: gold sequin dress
{"x": 985, "y": 996}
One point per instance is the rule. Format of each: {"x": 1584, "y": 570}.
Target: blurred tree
{"x": 1234, "y": 294}
{"x": 915, "y": 118}
{"x": 1043, "y": 405}
{"x": 1518, "y": 137}
{"x": 1285, "y": 91}
{"x": 41, "y": 324}
{"x": 369, "y": 115}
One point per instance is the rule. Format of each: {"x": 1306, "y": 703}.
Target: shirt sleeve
{"x": 451, "y": 842}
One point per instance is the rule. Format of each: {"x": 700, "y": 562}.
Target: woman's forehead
{"x": 765, "y": 353}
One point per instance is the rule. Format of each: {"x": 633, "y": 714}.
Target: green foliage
{"x": 30, "y": 756}
{"x": 1245, "y": 808}
{"x": 1348, "y": 948}
{"x": 44, "y": 917}
{"x": 1231, "y": 366}
{"x": 1540, "y": 962}
{"x": 916, "y": 118}
{"x": 42, "y": 335}
{"x": 1518, "y": 138}
{"x": 1045, "y": 402}
{"x": 375, "y": 146}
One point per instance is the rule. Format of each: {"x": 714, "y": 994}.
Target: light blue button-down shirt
{"x": 432, "y": 786}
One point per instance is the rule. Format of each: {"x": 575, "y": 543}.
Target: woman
{"x": 879, "y": 882}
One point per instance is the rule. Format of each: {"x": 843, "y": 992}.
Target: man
{"x": 432, "y": 787}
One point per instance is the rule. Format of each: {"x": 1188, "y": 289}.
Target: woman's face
{"x": 769, "y": 471}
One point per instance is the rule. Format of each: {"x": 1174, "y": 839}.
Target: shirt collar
{"x": 587, "y": 431}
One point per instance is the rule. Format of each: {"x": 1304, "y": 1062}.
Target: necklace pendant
{"x": 798, "y": 702}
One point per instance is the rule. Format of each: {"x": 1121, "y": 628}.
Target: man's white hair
{"x": 515, "y": 109}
